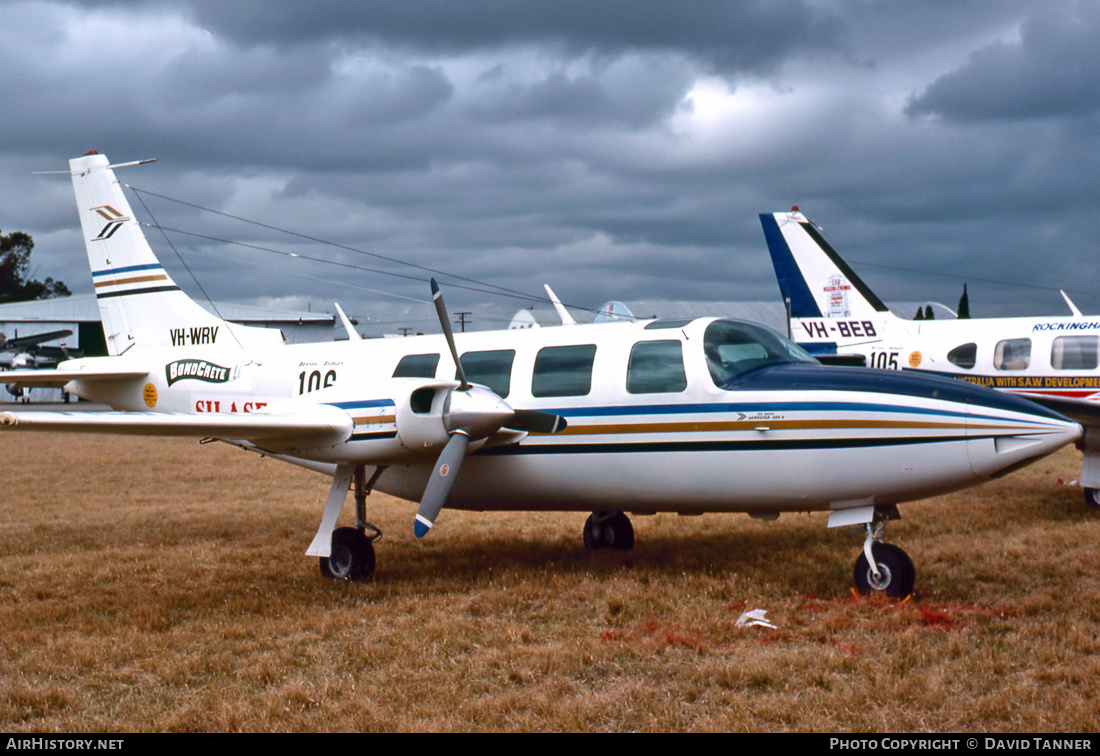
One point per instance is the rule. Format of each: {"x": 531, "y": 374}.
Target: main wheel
{"x": 608, "y": 531}
{"x": 896, "y": 573}
{"x": 351, "y": 558}
{"x": 1092, "y": 498}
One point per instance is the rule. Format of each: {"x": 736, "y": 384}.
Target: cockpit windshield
{"x": 735, "y": 347}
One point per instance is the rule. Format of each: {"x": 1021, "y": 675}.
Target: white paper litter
{"x": 754, "y": 618}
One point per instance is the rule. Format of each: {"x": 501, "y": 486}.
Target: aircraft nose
{"x": 1006, "y": 432}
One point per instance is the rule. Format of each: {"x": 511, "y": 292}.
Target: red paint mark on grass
{"x": 855, "y": 649}
{"x": 934, "y": 619}
{"x": 681, "y": 640}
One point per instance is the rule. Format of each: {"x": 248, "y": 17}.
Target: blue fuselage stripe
{"x": 715, "y": 446}
{"x": 127, "y": 269}
{"x": 734, "y": 409}
{"x": 364, "y": 404}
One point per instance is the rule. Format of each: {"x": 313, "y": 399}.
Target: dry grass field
{"x": 156, "y": 585}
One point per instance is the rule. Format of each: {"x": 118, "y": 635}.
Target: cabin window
{"x": 656, "y": 367}
{"x": 563, "y": 371}
{"x": 1074, "y": 353}
{"x": 417, "y": 366}
{"x": 1012, "y": 354}
{"x": 492, "y": 369}
{"x": 733, "y": 348}
{"x": 964, "y": 356}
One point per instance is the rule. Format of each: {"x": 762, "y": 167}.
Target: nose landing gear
{"x": 883, "y": 567}
{"x": 608, "y": 530}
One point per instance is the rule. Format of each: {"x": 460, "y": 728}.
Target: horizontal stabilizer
{"x": 58, "y": 378}
{"x": 319, "y": 425}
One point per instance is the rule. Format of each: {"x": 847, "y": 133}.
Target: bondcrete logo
{"x": 199, "y": 370}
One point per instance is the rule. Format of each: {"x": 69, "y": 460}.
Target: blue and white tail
{"x": 818, "y": 283}
{"x": 139, "y": 303}
{"x": 830, "y": 306}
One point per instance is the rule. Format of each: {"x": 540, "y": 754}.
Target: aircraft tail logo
{"x": 837, "y": 292}
{"x": 114, "y": 218}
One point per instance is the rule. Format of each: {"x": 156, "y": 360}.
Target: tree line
{"x": 16, "y": 284}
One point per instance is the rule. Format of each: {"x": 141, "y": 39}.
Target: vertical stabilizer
{"x": 818, "y": 283}
{"x": 139, "y": 303}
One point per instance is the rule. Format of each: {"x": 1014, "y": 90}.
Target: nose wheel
{"x": 883, "y": 567}
{"x": 608, "y": 530}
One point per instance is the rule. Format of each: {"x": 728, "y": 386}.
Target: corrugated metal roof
{"x": 85, "y": 309}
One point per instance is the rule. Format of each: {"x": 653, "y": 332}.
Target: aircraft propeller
{"x": 470, "y": 413}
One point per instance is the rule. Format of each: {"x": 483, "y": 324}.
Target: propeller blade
{"x": 534, "y": 421}
{"x": 445, "y": 322}
{"x": 439, "y": 485}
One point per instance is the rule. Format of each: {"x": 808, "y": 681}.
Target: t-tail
{"x": 829, "y": 305}
{"x": 139, "y": 303}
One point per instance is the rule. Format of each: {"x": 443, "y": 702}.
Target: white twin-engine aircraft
{"x": 1051, "y": 360}
{"x": 686, "y": 416}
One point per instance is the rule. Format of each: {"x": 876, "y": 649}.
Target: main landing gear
{"x": 608, "y": 530}
{"x": 351, "y": 551}
{"x": 1092, "y": 498}
{"x": 883, "y": 567}
{"x": 352, "y": 556}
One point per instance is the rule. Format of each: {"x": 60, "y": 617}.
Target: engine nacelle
{"x": 419, "y": 417}
{"x": 429, "y": 414}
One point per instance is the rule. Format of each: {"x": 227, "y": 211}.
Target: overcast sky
{"x": 613, "y": 149}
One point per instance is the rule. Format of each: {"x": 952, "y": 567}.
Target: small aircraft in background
{"x": 23, "y": 343}
{"x": 30, "y": 353}
{"x": 834, "y": 315}
{"x": 687, "y": 416}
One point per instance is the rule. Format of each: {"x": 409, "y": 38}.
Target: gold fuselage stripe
{"x": 135, "y": 279}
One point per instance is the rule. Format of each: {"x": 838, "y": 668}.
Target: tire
{"x": 602, "y": 531}
{"x": 1092, "y": 498}
{"x": 352, "y": 556}
{"x": 897, "y": 573}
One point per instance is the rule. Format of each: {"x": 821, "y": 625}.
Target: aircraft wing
{"x": 20, "y": 343}
{"x": 308, "y": 427}
{"x": 58, "y": 378}
{"x": 1082, "y": 411}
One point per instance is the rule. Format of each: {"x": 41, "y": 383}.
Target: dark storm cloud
{"x": 612, "y": 149}
{"x": 750, "y": 35}
{"x": 1053, "y": 70}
